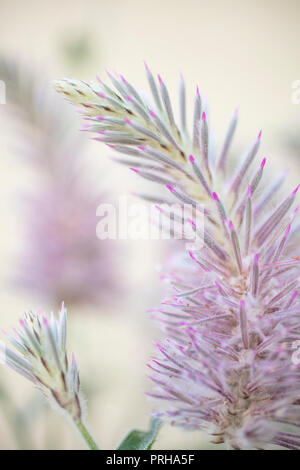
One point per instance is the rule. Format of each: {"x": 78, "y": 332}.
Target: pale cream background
{"x": 241, "y": 53}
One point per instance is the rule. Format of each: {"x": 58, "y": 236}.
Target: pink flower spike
{"x": 170, "y": 188}
{"x": 128, "y": 97}
{"x": 159, "y": 79}
{"x": 203, "y": 116}
{"x": 123, "y": 79}
{"x": 146, "y": 65}
{"x": 263, "y": 163}
{"x": 197, "y": 90}
{"x": 100, "y": 118}
{"x": 259, "y": 135}
{"x": 215, "y": 196}
{"x": 45, "y": 321}
{"x": 22, "y": 323}
{"x": 192, "y": 159}
{"x": 101, "y": 95}
{"x": 152, "y": 113}
{"x": 127, "y": 121}
{"x": 141, "y": 147}
{"x": 231, "y": 226}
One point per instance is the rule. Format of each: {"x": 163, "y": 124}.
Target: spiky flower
{"x": 232, "y": 315}
{"x": 41, "y": 344}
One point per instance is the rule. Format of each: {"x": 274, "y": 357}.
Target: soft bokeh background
{"x": 242, "y": 54}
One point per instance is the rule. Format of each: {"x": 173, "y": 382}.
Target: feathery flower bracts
{"x": 42, "y": 358}
{"x": 232, "y": 314}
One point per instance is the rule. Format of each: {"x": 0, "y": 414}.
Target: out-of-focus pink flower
{"x": 62, "y": 257}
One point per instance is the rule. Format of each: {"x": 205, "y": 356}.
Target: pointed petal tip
{"x": 190, "y": 221}
{"x": 215, "y": 196}
{"x": 191, "y": 158}
{"x": 296, "y": 189}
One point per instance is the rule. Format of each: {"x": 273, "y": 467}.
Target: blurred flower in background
{"x": 62, "y": 258}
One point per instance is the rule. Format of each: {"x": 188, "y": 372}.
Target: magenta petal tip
{"x": 296, "y": 190}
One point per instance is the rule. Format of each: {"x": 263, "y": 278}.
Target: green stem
{"x": 86, "y": 435}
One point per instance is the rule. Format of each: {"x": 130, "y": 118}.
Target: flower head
{"x": 42, "y": 359}
{"x": 232, "y": 314}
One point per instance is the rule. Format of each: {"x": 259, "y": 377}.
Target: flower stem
{"x": 86, "y": 435}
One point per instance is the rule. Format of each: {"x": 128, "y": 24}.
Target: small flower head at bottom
{"x": 41, "y": 344}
